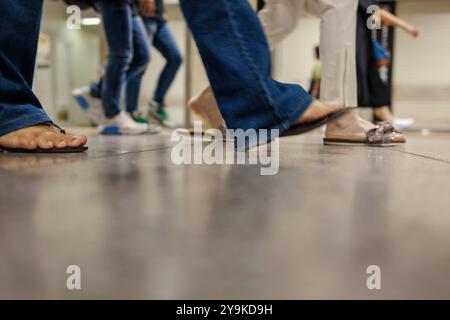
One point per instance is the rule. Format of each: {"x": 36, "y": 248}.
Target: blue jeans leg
{"x": 134, "y": 83}
{"x": 19, "y": 32}
{"x": 141, "y": 58}
{"x": 120, "y": 27}
{"x": 136, "y": 69}
{"x": 96, "y": 89}
{"x": 236, "y": 57}
{"x": 165, "y": 43}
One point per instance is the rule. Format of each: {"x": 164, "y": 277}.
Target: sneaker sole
{"x": 116, "y": 131}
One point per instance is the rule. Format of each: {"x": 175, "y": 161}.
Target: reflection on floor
{"x": 141, "y": 227}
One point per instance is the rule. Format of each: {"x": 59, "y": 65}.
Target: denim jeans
{"x": 96, "y": 89}
{"x": 128, "y": 54}
{"x": 162, "y": 39}
{"x": 19, "y": 32}
{"x": 237, "y": 60}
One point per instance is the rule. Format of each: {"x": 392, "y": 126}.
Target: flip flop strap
{"x": 61, "y": 130}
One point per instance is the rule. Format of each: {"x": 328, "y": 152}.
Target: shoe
{"x": 152, "y": 127}
{"x": 122, "y": 124}
{"x": 137, "y": 116}
{"x": 384, "y": 135}
{"x": 402, "y": 124}
{"x": 92, "y": 106}
{"x": 157, "y": 112}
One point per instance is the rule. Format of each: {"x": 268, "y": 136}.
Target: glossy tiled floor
{"x": 142, "y": 227}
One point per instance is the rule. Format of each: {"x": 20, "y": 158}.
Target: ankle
{"x": 195, "y": 105}
{"x": 383, "y": 114}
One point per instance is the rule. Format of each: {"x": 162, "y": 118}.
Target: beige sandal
{"x": 384, "y": 135}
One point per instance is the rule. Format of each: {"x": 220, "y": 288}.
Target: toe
{"x": 60, "y": 143}
{"x": 77, "y": 141}
{"x": 27, "y": 143}
{"x": 399, "y": 138}
{"x": 60, "y": 140}
{"x": 45, "y": 142}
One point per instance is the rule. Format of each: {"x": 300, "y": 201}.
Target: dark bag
{"x": 83, "y": 4}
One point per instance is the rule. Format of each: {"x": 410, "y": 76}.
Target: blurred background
{"x": 420, "y": 71}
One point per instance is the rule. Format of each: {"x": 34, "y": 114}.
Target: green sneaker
{"x": 163, "y": 115}
{"x": 158, "y": 112}
{"x": 137, "y": 116}
{"x": 152, "y": 128}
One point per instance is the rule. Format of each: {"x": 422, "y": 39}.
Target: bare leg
{"x": 384, "y": 113}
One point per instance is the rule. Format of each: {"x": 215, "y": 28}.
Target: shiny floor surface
{"x": 139, "y": 226}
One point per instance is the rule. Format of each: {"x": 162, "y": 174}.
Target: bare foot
{"x": 205, "y": 106}
{"x": 384, "y": 114}
{"x": 42, "y": 137}
{"x": 350, "y": 123}
{"x": 319, "y": 109}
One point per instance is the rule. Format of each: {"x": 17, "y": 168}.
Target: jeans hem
{"x": 292, "y": 119}
{"x": 112, "y": 116}
{"x": 24, "y": 121}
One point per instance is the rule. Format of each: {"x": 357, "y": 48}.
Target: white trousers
{"x": 337, "y": 40}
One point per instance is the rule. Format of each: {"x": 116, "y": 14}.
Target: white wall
{"x": 422, "y": 69}
{"x": 75, "y": 61}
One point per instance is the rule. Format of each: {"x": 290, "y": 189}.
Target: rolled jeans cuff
{"x": 28, "y": 115}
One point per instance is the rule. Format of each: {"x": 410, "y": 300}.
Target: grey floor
{"x": 142, "y": 227}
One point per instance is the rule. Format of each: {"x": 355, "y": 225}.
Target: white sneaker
{"x": 92, "y": 106}
{"x": 122, "y": 124}
{"x": 153, "y": 128}
{"x": 402, "y": 124}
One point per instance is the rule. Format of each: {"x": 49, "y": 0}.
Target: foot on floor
{"x": 205, "y": 106}
{"x": 352, "y": 129}
{"x": 43, "y": 137}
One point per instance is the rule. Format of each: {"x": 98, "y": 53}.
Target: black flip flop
{"x": 53, "y": 150}
{"x": 298, "y": 129}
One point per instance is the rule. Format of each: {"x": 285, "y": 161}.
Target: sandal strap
{"x": 389, "y": 126}
{"x": 52, "y": 124}
{"x": 384, "y": 132}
